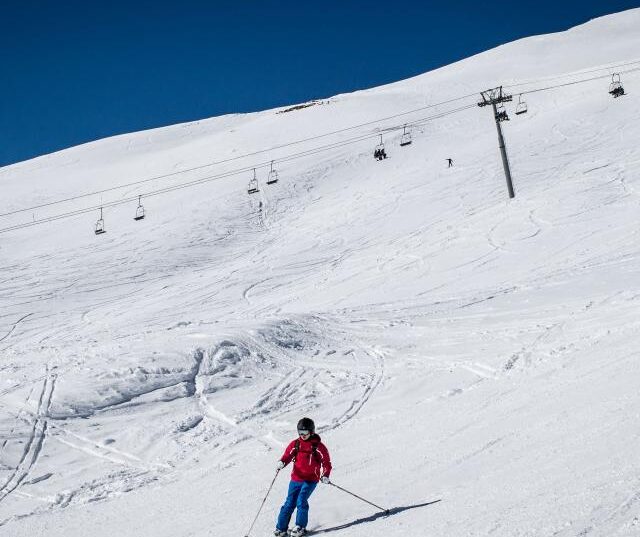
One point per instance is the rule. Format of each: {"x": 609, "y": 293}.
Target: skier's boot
{"x": 279, "y": 533}
{"x": 298, "y": 532}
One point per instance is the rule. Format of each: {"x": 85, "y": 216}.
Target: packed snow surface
{"x": 470, "y": 361}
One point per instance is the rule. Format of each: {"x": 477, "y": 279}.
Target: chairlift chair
{"x": 139, "y": 210}
{"x": 615, "y": 88}
{"x": 253, "y": 184}
{"x": 501, "y": 113}
{"x": 406, "y": 137}
{"x": 379, "y": 153}
{"x": 99, "y": 229}
{"x": 273, "y": 175}
{"x": 521, "y": 108}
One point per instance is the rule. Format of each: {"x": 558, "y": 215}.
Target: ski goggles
{"x": 302, "y": 432}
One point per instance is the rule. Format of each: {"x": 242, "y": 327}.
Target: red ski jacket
{"x": 312, "y": 460}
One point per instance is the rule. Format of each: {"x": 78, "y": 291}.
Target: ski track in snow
{"x": 35, "y": 441}
{"x": 14, "y": 326}
{"x": 375, "y": 379}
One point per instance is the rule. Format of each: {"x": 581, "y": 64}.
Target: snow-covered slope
{"x": 451, "y": 345}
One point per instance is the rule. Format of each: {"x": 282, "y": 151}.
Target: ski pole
{"x": 263, "y": 502}
{"x": 359, "y": 498}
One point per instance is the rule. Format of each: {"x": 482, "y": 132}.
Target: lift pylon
{"x": 497, "y": 97}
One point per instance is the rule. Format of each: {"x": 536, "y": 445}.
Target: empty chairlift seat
{"x": 273, "y": 175}
{"x": 253, "y": 184}
{"x": 521, "y": 108}
{"x": 405, "y": 139}
{"x": 139, "y": 210}
{"x": 99, "y": 227}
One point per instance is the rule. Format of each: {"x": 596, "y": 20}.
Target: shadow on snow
{"x": 372, "y": 518}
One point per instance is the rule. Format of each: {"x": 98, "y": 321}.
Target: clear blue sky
{"x": 75, "y": 71}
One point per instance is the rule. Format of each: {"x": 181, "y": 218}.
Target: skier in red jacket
{"x": 312, "y": 463}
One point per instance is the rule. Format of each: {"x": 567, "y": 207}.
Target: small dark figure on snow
{"x": 312, "y": 464}
{"x": 450, "y": 161}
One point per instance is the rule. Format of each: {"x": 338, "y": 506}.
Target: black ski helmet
{"x": 306, "y": 424}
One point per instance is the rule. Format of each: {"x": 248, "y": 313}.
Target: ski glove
{"x": 325, "y": 480}
{"x": 280, "y": 466}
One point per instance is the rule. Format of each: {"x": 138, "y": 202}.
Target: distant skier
{"x": 312, "y": 463}
{"x": 450, "y": 161}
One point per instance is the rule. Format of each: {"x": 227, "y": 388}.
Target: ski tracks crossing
{"x": 34, "y": 444}
{"x": 303, "y": 382}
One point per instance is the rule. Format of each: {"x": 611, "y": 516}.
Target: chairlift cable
{"x": 536, "y": 90}
{"x": 312, "y": 138}
{"x": 237, "y": 157}
{"x": 215, "y": 177}
{"x": 312, "y": 151}
{"x": 573, "y": 73}
{"x": 339, "y": 131}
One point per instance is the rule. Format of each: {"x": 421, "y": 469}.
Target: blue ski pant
{"x": 297, "y": 498}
